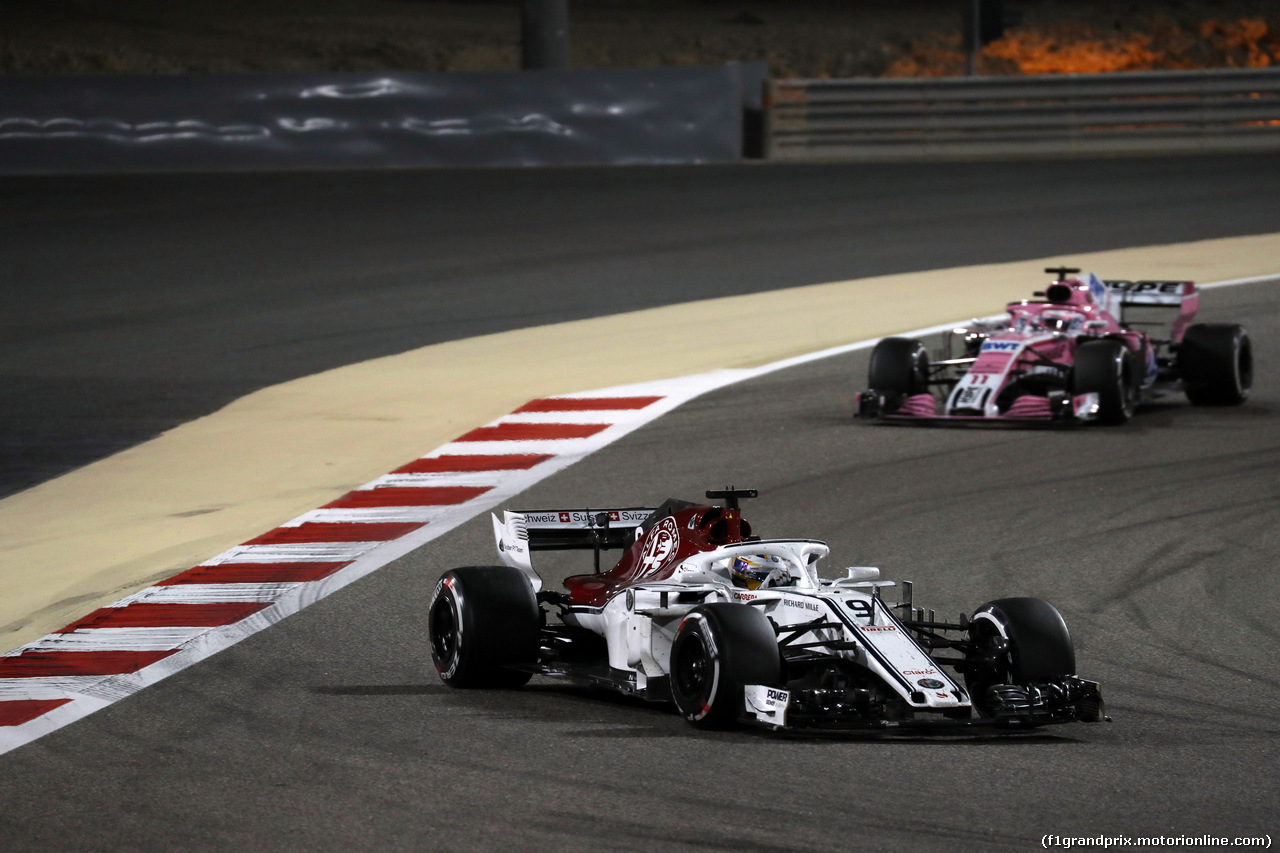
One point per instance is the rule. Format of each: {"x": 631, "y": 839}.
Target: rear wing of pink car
{"x": 1116, "y": 296}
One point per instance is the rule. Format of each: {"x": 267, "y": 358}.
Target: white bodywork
{"x": 639, "y": 623}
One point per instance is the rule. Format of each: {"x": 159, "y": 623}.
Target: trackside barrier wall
{"x": 1217, "y": 110}
{"x": 353, "y": 120}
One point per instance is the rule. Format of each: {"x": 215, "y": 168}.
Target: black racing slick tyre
{"x": 482, "y": 621}
{"x": 899, "y": 368}
{"x": 720, "y": 648}
{"x": 1215, "y": 361}
{"x": 1020, "y": 641}
{"x": 1105, "y": 367}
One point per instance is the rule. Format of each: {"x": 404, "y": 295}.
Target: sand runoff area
{"x": 99, "y": 533}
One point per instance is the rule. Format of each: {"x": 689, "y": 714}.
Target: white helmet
{"x": 1061, "y": 321}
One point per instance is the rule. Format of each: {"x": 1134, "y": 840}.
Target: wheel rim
{"x": 992, "y": 666}
{"x": 1126, "y": 390}
{"x": 919, "y": 372}
{"x": 444, "y": 633}
{"x": 692, "y": 671}
{"x": 1243, "y": 364}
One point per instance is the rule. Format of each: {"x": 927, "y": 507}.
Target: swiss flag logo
{"x": 564, "y": 517}
{"x": 613, "y": 516}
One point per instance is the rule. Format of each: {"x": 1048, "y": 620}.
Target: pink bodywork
{"x": 1081, "y": 315}
{"x": 1027, "y": 319}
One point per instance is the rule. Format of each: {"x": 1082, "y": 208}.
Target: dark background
{"x": 797, "y": 38}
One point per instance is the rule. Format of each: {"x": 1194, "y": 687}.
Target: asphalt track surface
{"x": 1157, "y": 540}
{"x": 136, "y": 303}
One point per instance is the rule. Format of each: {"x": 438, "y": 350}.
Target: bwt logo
{"x": 1000, "y": 346}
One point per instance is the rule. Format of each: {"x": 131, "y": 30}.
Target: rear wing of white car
{"x": 1115, "y": 296}
{"x": 520, "y": 532}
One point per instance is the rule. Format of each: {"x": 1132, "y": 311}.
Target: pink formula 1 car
{"x": 1078, "y": 353}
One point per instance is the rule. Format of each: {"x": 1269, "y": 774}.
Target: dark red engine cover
{"x": 655, "y": 555}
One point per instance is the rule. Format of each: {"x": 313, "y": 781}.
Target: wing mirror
{"x": 863, "y": 573}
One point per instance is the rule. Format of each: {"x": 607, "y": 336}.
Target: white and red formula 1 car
{"x": 734, "y": 628}
{"x": 1076, "y": 355}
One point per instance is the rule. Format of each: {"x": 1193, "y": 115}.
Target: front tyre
{"x": 1216, "y": 364}
{"x": 1103, "y": 367}
{"x": 482, "y": 621}
{"x": 1020, "y": 641}
{"x": 719, "y": 649}
{"x": 899, "y": 369}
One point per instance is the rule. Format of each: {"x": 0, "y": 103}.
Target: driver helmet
{"x": 1058, "y": 321}
{"x": 753, "y": 571}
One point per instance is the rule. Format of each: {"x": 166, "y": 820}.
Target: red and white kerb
{"x": 117, "y": 650}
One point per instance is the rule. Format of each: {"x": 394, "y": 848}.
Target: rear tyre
{"x": 1216, "y": 364}
{"x": 482, "y": 621}
{"x": 899, "y": 368}
{"x": 1105, "y": 368}
{"x": 1020, "y": 641}
{"x": 718, "y": 649}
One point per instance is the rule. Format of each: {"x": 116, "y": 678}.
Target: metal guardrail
{"x": 1062, "y": 113}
